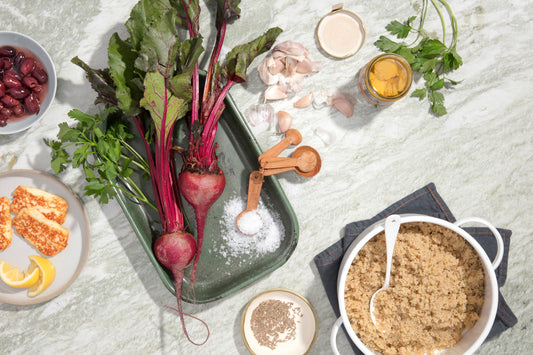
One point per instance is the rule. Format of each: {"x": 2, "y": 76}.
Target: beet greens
{"x": 153, "y": 79}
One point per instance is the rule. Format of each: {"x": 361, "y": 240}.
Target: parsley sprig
{"x": 99, "y": 144}
{"x": 428, "y": 56}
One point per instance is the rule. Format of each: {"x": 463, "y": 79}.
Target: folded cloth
{"x": 428, "y": 202}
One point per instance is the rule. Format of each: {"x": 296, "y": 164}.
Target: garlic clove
{"x": 304, "y": 101}
{"x": 291, "y": 65}
{"x": 276, "y": 66}
{"x": 284, "y": 121}
{"x": 265, "y": 75}
{"x": 343, "y": 105}
{"x": 305, "y": 66}
{"x": 275, "y": 92}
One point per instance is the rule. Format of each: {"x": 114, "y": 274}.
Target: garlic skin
{"x": 327, "y": 137}
{"x": 262, "y": 113}
{"x": 304, "y": 101}
{"x": 284, "y": 121}
{"x": 287, "y": 65}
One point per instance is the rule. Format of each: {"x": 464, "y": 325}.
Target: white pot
{"x": 474, "y": 337}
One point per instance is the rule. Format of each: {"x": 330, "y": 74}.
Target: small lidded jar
{"x": 385, "y": 79}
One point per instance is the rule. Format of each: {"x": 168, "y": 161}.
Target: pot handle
{"x": 333, "y": 336}
{"x": 497, "y": 235}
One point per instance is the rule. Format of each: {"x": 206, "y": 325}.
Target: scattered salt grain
{"x": 236, "y": 244}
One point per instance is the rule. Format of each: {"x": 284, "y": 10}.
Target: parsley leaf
{"x": 428, "y": 56}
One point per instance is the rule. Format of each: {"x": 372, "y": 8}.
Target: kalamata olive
{"x": 11, "y": 82}
{"x": 2, "y": 89}
{"x": 37, "y": 89}
{"x": 1, "y": 105}
{"x": 19, "y": 92}
{"x": 29, "y": 81}
{"x": 27, "y": 66}
{"x": 9, "y": 101}
{"x": 31, "y": 103}
{"x": 3, "y": 121}
{"x": 40, "y": 75}
{"x": 12, "y": 73}
{"x": 18, "y": 59}
{"x": 6, "y": 112}
{"x": 6, "y": 63}
{"x": 18, "y": 110}
{"x": 7, "y": 51}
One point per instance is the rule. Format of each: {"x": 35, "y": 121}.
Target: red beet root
{"x": 175, "y": 251}
{"x": 200, "y": 191}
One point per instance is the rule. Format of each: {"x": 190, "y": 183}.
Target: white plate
{"x": 68, "y": 262}
{"x": 306, "y": 326}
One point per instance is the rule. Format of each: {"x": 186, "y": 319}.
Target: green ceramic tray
{"x": 216, "y": 276}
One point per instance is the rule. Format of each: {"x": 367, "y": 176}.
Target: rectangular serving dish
{"x": 217, "y": 275}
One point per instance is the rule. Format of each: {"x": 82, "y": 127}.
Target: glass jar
{"x": 385, "y": 79}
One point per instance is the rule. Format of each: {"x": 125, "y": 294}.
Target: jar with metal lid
{"x": 385, "y": 79}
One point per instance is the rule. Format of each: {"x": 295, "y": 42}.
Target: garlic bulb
{"x": 287, "y": 65}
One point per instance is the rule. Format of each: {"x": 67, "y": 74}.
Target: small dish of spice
{"x": 279, "y": 321}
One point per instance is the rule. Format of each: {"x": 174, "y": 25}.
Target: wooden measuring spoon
{"x": 292, "y": 137}
{"x": 305, "y": 161}
{"x": 249, "y": 222}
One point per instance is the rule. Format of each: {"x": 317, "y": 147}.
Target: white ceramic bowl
{"x": 472, "y": 338}
{"x": 22, "y": 41}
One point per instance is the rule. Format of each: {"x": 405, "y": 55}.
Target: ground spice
{"x": 274, "y": 321}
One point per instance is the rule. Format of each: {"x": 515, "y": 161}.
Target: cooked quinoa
{"x": 436, "y": 290}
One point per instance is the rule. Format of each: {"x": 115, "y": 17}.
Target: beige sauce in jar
{"x": 341, "y": 33}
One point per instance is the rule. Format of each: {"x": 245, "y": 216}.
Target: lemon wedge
{"x": 13, "y": 277}
{"x": 47, "y": 274}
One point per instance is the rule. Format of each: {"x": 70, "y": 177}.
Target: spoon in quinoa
{"x": 392, "y": 226}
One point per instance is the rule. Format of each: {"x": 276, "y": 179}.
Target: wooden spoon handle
{"x": 275, "y": 163}
{"x": 255, "y": 182}
{"x": 269, "y": 172}
{"x": 292, "y": 137}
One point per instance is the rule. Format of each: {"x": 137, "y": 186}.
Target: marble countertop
{"x": 479, "y": 155}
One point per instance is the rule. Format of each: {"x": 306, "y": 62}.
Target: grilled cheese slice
{"x": 5, "y": 223}
{"x": 48, "y": 236}
{"x": 51, "y": 206}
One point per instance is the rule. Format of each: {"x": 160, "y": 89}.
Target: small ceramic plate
{"x": 302, "y": 326}
{"x": 68, "y": 262}
{"x": 22, "y": 41}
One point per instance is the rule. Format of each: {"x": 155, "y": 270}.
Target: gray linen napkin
{"x": 423, "y": 201}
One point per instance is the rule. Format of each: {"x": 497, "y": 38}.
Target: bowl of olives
{"x": 27, "y": 82}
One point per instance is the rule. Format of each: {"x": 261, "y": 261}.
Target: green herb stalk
{"x": 428, "y": 56}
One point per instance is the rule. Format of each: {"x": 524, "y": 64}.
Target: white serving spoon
{"x": 392, "y": 226}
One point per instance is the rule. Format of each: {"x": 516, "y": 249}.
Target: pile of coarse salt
{"x": 236, "y": 244}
